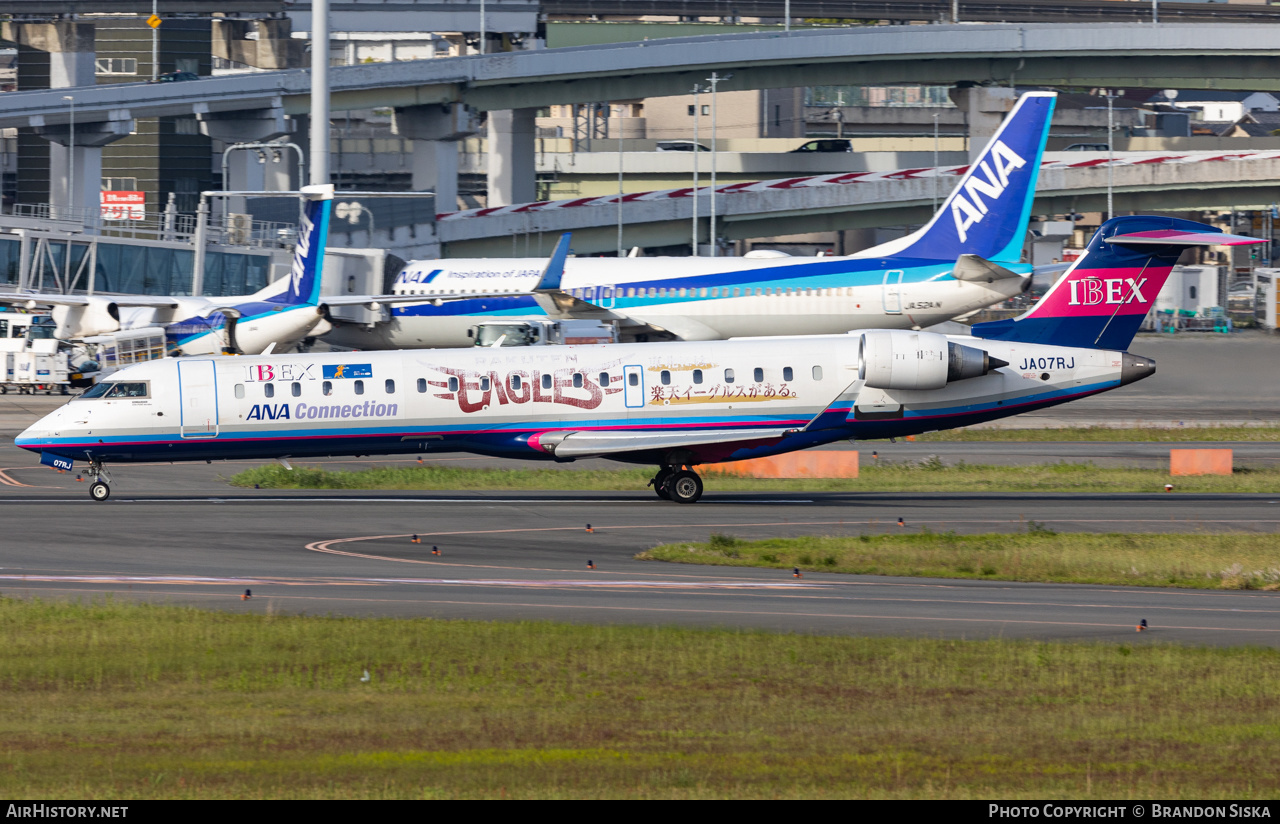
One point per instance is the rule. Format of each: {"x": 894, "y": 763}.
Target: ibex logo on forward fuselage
{"x": 968, "y": 206}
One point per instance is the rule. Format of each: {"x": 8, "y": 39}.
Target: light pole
{"x": 696, "y": 149}
{"x": 1111, "y": 158}
{"x": 155, "y": 43}
{"x": 935, "y": 161}
{"x": 619, "y": 181}
{"x": 484, "y": 34}
{"x": 319, "y": 91}
{"x": 714, "y": 80}
{"x": 71, "y": 151}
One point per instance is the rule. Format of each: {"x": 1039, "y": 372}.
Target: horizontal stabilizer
{"x": 591, "y": 443}
{"x": 1168, "y": 237}
{"x": 980, "y": 270}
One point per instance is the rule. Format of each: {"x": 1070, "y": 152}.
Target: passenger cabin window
{"x": 633, "y": 379}
{"x": 390, "y": 386}
{"x": 787, "y": 374}
{"x": 422, "y": 384}
{"x": 758, "y": 375}
{"x": 359, "y": 387}
{"x": 484, "y": 384}
{"x": 453, "y": 384}
{"x": 515, "y": 382}
{"x": 728, "y": 376}
{"x": 577, "y": 380}
{"x": 817, "y": 373}
{"x": 118, "y": 389}
{"x": 326, "y": 388}
{"x": 666, "y": 377}
{"x": 546, "y": 381}
{"x": 604, "y": 379}
{"x": 269, "y": 390}
{"x": 239, "y": 391}
{"x": 295, "y": 389}
{"x": 697, "y": 376}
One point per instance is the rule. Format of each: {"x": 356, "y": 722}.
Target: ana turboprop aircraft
{"x": 674, "y": 405}
{"x": 965, "y": 258}
{"x": 283, "y": 313}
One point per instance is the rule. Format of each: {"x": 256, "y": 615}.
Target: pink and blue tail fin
{"x": 987, "y": 212}
{"x": 303, "y": 283}
{"x": 1100, "y": 302}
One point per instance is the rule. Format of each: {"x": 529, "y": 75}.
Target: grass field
{"x": 929, "y": 475}
{"x": 115, "y": 701}
{"x": 1076, "y": 434}
{"x": 1201, "y": 561}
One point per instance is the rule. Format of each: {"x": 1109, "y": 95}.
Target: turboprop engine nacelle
{"x": 98, "y": 317}
{"x": 899, "y": 359}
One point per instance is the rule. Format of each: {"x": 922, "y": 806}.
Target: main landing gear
{"x": 99, "y": 490}
{"x": 677, "y": 484}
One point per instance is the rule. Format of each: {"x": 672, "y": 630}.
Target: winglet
{"x": 550, "y": 280}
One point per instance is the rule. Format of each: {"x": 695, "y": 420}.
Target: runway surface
{"x": 524, "y": 556}
{"x": 180, "y": 534}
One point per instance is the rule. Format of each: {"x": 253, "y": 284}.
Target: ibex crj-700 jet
{"x": 282, "y": 313}
{"x": 965, "y": 258}
{"x": 673, "y": 405}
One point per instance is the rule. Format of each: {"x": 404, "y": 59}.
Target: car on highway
{"x": 826, "y": 144}
{"x": 680, "y": 146}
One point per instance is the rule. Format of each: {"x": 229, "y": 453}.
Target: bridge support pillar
{"x": 984, "y": 108}
{"x": 249, "y": 170}
{"x": 53, "y": 55}
{"x": 512, "y": 149}
{"x": 435, "y": 132}
{"x": 75, "y": 168}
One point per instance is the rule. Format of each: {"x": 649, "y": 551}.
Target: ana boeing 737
{"x": 673, "y": 405}
{"x": 965, "y": 258}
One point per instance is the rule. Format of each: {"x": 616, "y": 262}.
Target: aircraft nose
{"x": 36, "y": 435}
{"x": 1135, "y": 368}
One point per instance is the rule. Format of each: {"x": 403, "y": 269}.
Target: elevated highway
{"x": 1069, "y": 181}
{"x": 1220, "y": 56}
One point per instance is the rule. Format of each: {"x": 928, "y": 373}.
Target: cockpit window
{"x": 118, "y": 389}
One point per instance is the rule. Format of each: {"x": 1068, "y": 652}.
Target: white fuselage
{"x": 511, "y": 402}
{"x": 789, "y": 296}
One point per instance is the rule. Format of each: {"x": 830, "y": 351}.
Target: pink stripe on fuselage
{"x": 1102, "y": 291}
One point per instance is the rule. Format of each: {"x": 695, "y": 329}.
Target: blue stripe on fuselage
{"x": 820, "y": 274}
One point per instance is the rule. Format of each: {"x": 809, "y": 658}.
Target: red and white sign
{"x": 124, "y": 205}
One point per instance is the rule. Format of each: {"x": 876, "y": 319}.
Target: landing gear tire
{"x": 659, "y": 482}
{"x": 684, "y": 487}
{"x": 99, "y": 491}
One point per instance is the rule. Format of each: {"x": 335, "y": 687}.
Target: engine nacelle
{"x": 898, "y": 359}
{"x": 99, "y": 316}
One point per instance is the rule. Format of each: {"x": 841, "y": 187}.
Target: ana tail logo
{"x": 968, "y": 207}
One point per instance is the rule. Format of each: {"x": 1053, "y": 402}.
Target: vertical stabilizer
{"x": 987, "y": 212}
{"x": 303, "y": 283}
{"x": 1100, "y": 302}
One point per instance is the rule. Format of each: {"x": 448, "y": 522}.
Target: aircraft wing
{"x": 581, "y": 444}
{"x": 34, "y": 299}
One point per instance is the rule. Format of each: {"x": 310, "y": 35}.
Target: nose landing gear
{"x": 677, "y": 484}
{"x": 99, "y": 489}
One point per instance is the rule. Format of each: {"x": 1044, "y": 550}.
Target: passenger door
{"x": 199, "y": 393}
{"x": 893, "y": 292}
